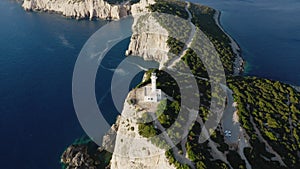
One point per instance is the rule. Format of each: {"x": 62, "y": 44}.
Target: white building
{"x": 151, "y": 93}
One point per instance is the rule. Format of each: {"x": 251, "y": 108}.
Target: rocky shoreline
{"x": 89, "y": 9}
{"x": 85, "y": 154}
{"x": 239, "y": 62}
{"x": 79, "y": 9}
{"x": 76, "y": 156}
{"x": 125, "y": 155}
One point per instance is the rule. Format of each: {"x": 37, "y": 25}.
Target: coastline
{"x": 79, "y": 10}
{"x": 297, "y": 88}
{"x": 239, "y": 62}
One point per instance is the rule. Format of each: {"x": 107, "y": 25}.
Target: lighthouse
{"x": 151, "y": 93}
{"x": 153, "y": 82}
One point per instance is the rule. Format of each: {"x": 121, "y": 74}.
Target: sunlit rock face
{"x": 133, "y": 151}
{"x": 149, "y": 39}
{"x": 80, "y": 9}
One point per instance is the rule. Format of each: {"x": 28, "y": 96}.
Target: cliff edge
{"x": 80, "y": 9}
{"x": 131, "y": 149}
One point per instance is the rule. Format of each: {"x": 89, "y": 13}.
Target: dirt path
{"x": 268, "y": 147}
{"x": 243, "y": 143}
{"x": 180, "y": 158}
{"x": 230, "y": 121}
{"x": 188, "y": 43}
{"x": 217, "y": 154}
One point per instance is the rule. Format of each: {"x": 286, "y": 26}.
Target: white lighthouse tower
{"x": 151, "y": 93}
{"x": 153, "y": 82}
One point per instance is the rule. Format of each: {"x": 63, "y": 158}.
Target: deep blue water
{"x": 38, "y": 53}
{"x": 268, "y": 33}
{"x": 112, "y": 108}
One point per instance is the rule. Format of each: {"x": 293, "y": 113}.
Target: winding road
{"x": 188, "y": 43}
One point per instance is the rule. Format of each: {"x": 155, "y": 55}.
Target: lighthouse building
{"x": 151, "y": 93}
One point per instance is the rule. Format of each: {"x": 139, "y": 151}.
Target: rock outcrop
{"x": 149, "y": 38}
{"x": 84, "y": 156}
{"x": 80, "y": 9}
{"x": 141, "y": 7}
{"x": 76, "y": 156}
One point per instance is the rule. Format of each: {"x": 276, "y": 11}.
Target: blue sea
{"x": 38, "y": 52}
{"x": 268, "y": 33}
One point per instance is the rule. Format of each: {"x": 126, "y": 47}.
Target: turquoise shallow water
{"x": 38, "y": 53}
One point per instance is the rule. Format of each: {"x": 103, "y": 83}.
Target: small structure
{"x": 227, "y": 133}
{"x": 151, "y": 93}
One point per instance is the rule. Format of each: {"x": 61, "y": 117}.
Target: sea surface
{"x": 38, "y": 52}
{"x": 268, "y": 33}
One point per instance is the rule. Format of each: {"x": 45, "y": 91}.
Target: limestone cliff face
{"x": 149, "y": 39}
{"x": 132, "y": 151}
{"x": 80, "y": 8}
{"x": 141, "y": 7}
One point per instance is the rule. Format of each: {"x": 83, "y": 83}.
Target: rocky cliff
{"x": 133, "y": 151}
{"x": 85, "y": 154}
{"x": 80, "y": 9}
{"x": 149, "y": 38}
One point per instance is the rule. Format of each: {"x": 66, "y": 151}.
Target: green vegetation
{"x": 274, "y": 109}
{"x": 167, "y": 111}
{"x": 179, "y": 29}
{"x": 172, "y": 160}
{"x": 235, "y": 160}
{"x": 273, "y": 106}
{"x": 147, "y": 130}
{"x": 200, "y": 153}
{"x": 203, "y": 18}
{"x": 175, "y": 45}
{"x": 195, "y": 64}
{"x": 172, "y": 7}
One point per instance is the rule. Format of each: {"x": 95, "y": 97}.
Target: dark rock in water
{"x": 85, "y": 156}
{"x": 77, "y": 157}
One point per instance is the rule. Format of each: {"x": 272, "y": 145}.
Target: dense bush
{"x": 203, "y": 18}
{"x": 275, "y": 110}
{"x": 274, "y": 106}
